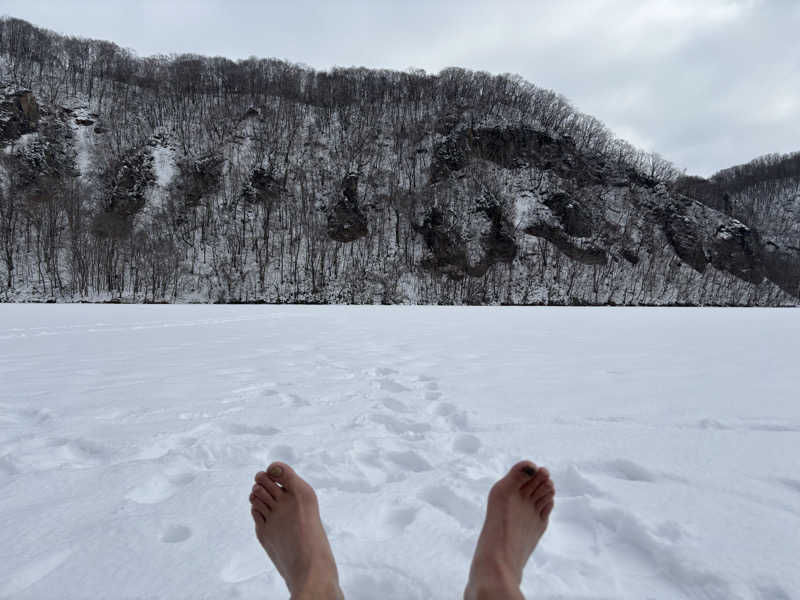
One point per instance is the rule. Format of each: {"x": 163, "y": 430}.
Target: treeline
{"x": 182, "y": 89}
{"x": 762, "y": 193}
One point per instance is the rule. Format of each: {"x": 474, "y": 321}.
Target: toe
{"x": 259, "y": 505}
{"x": 257, "y": 516}
{"x": 264, "y": 496}
{"x": 545, "y": 489}
{"x": 282, "y": 474}
{"x": 522, "y": 472}
{"x": 545, "y": 511}
{"x": 544, "y": 499}
{"x": 541, "y": 477}
{"x": 270, "y": 486}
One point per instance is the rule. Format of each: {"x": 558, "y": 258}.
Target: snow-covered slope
{"x": 185, "y": 178}
{"x": 129, "y": 436}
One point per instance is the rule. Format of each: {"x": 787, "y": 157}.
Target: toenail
{"x": 275, "y": 471}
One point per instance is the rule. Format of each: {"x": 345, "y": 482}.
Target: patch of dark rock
{"x": 19, "y": 114}
{"x": 449, "y": 156}
{"x": 513, "y": 148}
{"x": 630, "y": 255}
{"x": 499, "y": 242}
{"x": 782, "y": 266}
{"x": 84, "y": 122}
{"x": 574, "y": 216}
{"x": 262, "y": 187}
{"x": 588, "y": 254}
{"x": 735, "y": 248}
{"x": 346, "y": 221}
{"x": 686, "y": 237}
{"x": 448, "y": 252}
{"x": 200, "y": 177}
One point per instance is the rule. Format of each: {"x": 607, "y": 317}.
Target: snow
{"x": 163, "y": 165}
{"x": 21, "y": 143}
{"x": 129, "y": 436}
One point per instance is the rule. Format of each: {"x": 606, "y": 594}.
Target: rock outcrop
{"x": 346, "y": 221}
{"x": 19, "y": 114}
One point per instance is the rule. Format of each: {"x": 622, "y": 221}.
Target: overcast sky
{"x": 706, "y": 83}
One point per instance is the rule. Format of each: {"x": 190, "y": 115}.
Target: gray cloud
{"x": 706, "y": 84}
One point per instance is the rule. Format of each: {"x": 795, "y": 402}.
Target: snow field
{"x": 129, "y": 436}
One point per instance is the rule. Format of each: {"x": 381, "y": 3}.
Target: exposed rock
{"x": 512, "y": 148}
{"x": 686, "y": 237}
{"x": 19, "y": 114}
{"x": 128, "y": 182}
{"x": 581, "y": 251}
{"x": 448, "y": 156}
{"x": 346, "y": 221}
{"x": 84, "y": 122}
{"x": 499, "y": 242}
{"x": 575, "y": 218}
{"x": 630, "y": 255}
{"x": 735, "y": 248}
{"x": 98, "y": 129}
{"x": 262, "y": 187}
{"x": 200, "y": 177}
{"x": 782, "y": 265}
{"x": 447, "y": 247}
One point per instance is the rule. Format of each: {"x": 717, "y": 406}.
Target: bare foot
{"x": 286, "y": 514}
{"x": 516, "y": 517}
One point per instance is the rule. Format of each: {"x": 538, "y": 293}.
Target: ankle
{"x": 318, "y": 590}
{"x": 491, "y": 579}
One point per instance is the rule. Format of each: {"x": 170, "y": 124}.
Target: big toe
{"x": 519, "y": 474}
{"x": 283, "y": 474}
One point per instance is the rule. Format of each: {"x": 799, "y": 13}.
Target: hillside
{"x": 194, "y": 179}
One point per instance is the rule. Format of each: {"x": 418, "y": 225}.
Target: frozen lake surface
{"x": 129, "y": 436}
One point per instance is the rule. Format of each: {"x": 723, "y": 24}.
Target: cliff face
{"x": 363, "y": 186}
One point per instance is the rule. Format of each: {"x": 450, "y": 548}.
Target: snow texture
{"x": 129, "y": 436}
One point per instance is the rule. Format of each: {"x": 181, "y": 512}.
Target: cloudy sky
{"x": 706, "y": 83}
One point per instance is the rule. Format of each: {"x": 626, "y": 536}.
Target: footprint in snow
{"x": 174, "y": 534}
{"x": 409, "y": 461}
{"x": 390, "y": 385}
{"x": 160, "y": 487}
{"x": 446, "y": 500}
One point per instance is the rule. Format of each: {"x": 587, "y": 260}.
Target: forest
{"x": 187, "y": 178}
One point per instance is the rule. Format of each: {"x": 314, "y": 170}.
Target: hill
{"x": 196, "y": 179}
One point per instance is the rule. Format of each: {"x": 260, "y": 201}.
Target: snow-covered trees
{"x": 187, "y": 177}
